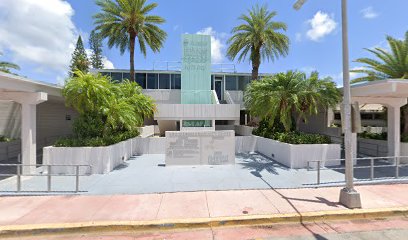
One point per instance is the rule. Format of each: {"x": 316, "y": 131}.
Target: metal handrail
{"x": 396, "y": 163}
{"x": 47, "y": 174}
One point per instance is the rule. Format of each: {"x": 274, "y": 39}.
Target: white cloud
{"x": 38, "y": 32}
{"x": 107, "y": 64}
{"x": 338, "y": 78}
{"x": 321, "y": 25}
{"x": 369, "y": 13}
{"x": 217, "y": 44}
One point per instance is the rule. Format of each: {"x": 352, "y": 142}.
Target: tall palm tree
{"x": 389, "y": 64}
{"x": 5, "y": 66}
{"x": 282, "y": 95}
{"x": 392, "y": 64}
{"x": 122, "y": 21}
{"x": 259, "y": 37}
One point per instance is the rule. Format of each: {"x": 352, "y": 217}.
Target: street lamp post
{"x": 349, "y": 197}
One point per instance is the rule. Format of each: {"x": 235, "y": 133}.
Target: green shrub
{"x": 96, "y": 141}
{"x": 276, "y": 132}
{"x": 376, "y": 136}
{"x": 5, "y": 139}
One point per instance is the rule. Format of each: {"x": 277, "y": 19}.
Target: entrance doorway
{"x": 218, "y": 87}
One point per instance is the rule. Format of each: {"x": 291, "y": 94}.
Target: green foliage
{"x": 79, "y": 61}
{"x": 277, "y": 132}
{"x": 5, "y": 139}
{"x": 389, "y": 64}
{"x": 376, "y": 136}
{"x": 108, "y": 111}
{"x": 121, "y": 22}
{"x": 96, "y": 141}
{"x": 95, "y": 43}
{"x": 258, "y": 37}
{"x": 282, "y": 95}
{"x": 6, "y": 66}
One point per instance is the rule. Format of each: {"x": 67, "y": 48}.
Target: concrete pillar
{"x": 393, "y": 125}
{"x": 28, "y": 136}
{"x": 354, "y": 147}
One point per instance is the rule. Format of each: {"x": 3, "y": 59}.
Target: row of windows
{"x": 173, "y": 81}
{"x": 150, "y": 80}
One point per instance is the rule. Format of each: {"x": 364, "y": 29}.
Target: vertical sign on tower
{"x": 196, "y": 69}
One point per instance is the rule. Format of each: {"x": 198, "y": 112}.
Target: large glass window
{"x": 106, "y": 74}
{"x": 243, "y": 81}
{"x": 175, "y": 81}
{"x": 164, "y": 81}
{"x": 126, "y": 75}
{"x": 152, "y": 81}
{"x": 141, "y": 79}
{"x": 230, "y": 83}
{"x": 116, "y": 76}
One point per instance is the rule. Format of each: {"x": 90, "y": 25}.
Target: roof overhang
{"x": 13, "y": 83}
{"x": 391, "y": 88}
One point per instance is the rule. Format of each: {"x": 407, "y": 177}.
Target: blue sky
{"x": 39, "y": 35}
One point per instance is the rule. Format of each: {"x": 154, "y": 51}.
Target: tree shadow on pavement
{"x": 258, "y": 163}
{"x": 288, "y": 200}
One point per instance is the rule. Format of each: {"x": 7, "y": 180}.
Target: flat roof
{"x": 11, "y": 82}
{"x": 390, "y": 88}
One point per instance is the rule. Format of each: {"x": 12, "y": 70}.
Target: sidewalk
{"x": 189, "y": 207}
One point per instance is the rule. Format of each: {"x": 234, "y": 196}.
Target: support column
{"x": 354, "y": 147}
{"x": 393, "y": 126}
{"x": 28, "y": 137}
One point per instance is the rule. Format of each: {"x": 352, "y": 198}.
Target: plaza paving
{"x": 147, "y": 174}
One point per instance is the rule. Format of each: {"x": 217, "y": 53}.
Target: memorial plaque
{"x": 200, "y": 148}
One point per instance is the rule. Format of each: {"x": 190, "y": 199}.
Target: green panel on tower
{"x": 196, "y": 69}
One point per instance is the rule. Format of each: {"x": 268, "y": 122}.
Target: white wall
{"x": 164, "y": 96}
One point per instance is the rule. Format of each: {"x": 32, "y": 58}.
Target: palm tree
{"x": 259, "y": 37}
{"x": 390, "y": 64}
{"x": 282, "y": 95}
{"x": 122, "y": 21}
{"x": 5, "y": 66}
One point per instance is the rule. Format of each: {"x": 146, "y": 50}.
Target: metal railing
{"x": 47, "y": 172}
{"x": 368, "y": 163}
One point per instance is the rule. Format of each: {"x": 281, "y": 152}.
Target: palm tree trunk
{"x": 256, "y": 61}
{"x": 132, "y": 56}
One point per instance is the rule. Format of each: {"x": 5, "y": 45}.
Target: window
{"x": 337, "y": 116}
{"x": 126, "y": 75}
{"x": 243, "y": 81}
{"x": 106, "y": 74}
{"x": 164, "y": 81}
{"x": 230, "y": 83}
{"x": 116, "y": 76}
{"x": 152, "y": 81}
{"x": 141, "y": 79}
{"x": 175, "y": 81}
{"x": 197, "y": 123}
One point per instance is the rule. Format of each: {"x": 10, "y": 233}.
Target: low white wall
{"x": 291, "y": 155}
{"x": 152, "y": 145}
{"x": 146, "y": 131}
{"x": 102, "y": 159}
{"x": 243, "y": 130}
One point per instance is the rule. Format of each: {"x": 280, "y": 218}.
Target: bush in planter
{"x": 5, "y": 139}
{"x": 276, "y": 132}
{"x": 376, "y": 136}
{"x": 109, "y": 112}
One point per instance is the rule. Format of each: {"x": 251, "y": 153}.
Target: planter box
{"x": 243, "y": 130}
{"x": 102, "y": 159}
{"x": 291, "y": 155}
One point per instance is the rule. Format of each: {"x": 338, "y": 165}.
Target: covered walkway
{"x": 28, "y": 94}
{"x": 392, "y": 94}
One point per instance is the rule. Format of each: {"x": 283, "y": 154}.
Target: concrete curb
{"x": 167, "y": 224}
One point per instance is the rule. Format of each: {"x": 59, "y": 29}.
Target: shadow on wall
{"x": 10, "y": 113}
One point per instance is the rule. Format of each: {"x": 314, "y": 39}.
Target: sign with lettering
{"x": 200, "y": 148}
{"x": 196, "y": 69}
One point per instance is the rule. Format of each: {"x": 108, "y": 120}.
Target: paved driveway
{"x": 147, "y": 174}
